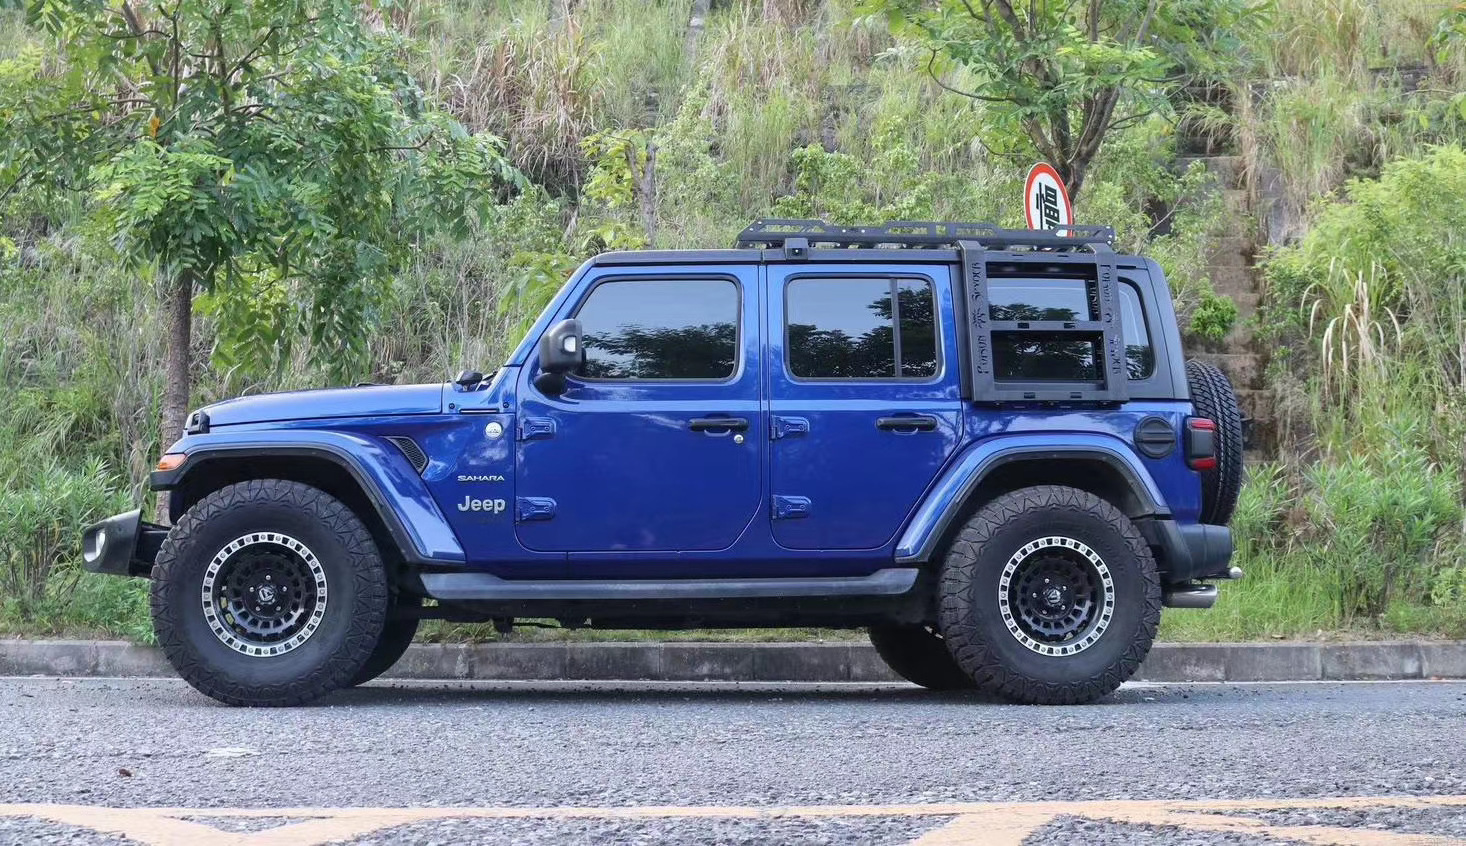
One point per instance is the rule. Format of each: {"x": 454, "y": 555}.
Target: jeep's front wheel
{"x": 268, "y": 592}
{"x": 1050, "y": 596}
{"x": 397, "y": 635}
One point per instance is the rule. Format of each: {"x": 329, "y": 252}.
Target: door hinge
{"x": 790, "y": 507}
{"x": 536, "y": 428}
{"x": 528, "y": 509}
{"x": 783, "y": 427}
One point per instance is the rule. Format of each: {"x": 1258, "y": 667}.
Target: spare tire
{"x": 1214, "y": 399}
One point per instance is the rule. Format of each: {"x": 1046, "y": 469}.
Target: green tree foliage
{"x": 271, "y": 154}
{"x": 1067, "y": 75}
{"x": 622, "y": 180}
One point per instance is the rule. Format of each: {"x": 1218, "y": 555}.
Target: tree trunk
{"x": 1074, "y": 183}
{"x": 177, "y": 361}
{"x": 696, "y": 23}
{"x": 646, "y": 190}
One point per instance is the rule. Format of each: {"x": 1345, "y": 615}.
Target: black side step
{"x": 483, "y": 586}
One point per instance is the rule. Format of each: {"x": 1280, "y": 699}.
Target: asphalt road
{"x": 89, "y": 761}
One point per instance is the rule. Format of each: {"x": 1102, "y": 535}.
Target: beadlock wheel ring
{"x": 264, "y": 594}
{"x": 1067, "y": 613}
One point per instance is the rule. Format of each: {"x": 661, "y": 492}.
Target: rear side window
{"x": 661, "y": 329}
{"x": 860, "y": 328}
{"x": 1037, "y": 356}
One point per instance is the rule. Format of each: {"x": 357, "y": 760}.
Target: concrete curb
{"x": 809, "y": 662}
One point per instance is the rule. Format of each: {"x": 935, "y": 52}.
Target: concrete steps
{"x": 1230, "y": 267}
{"x": 1243, "y": 368}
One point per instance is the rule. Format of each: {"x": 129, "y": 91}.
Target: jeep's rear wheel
{"x": 397, "y": 635}
{"x": 1049, "y": 595}
{"x": 919, "y": 655}
{"x": 1214, "y": 399}
{"x": 268, "y": 592}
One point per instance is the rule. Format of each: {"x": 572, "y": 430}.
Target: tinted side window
{"x": 1036, "y": 356}
{"x": 661, "y": 329}
{"x": 861, "y": 328}
{"x": 1139, "y": 355}
{"x": 1039, "y": 299}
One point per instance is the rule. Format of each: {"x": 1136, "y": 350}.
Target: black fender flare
{"x": 949, "y": 495}
{"x": 389, "y": 484}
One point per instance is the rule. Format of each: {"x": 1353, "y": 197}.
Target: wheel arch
{"x": 991, "y": 469}
{"x": 364, "y": 480}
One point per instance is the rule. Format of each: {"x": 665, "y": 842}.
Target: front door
{"x": 864, "y": 400}
{"x": 655, "y": 444}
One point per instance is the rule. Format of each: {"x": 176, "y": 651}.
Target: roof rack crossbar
{"x": 772, "y": 233}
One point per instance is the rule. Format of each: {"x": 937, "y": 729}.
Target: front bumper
{"x": 1189, "y": 551}
{"x": 122, "y": 545}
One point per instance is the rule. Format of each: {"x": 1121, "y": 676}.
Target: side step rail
{"x": 484, "y": 586}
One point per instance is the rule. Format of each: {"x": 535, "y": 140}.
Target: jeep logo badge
{"x": 494, "y": 430}
{"x": 493, "y": 506}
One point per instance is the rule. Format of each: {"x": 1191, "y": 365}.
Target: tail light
{"x": 1201, "y": 443}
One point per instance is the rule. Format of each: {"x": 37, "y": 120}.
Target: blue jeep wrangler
{"x": 982, "y": 445}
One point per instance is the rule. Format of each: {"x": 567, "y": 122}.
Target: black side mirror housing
{"x": 468, "y": 379}
{"x": 561, "y": 351}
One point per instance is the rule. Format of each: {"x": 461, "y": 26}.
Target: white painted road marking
{"x": 995, "y": 823}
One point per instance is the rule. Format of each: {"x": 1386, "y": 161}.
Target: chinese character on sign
{"x": 1046, "y": 203}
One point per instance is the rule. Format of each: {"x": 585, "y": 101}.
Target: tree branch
{"x": 128, "y": 36}
{"x": 421, "y": 145}
{"x": 135, "y": 25}
{"x": 1005, "y": 9}
{"x": 932, "y": 72}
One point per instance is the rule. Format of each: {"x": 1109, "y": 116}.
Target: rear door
{"x": 864, "y": 398}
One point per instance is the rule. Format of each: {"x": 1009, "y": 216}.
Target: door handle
{"x": 914, "y": 423}
{"x": 718, "y": 424}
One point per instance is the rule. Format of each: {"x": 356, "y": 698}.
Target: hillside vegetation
{"x": 632, "y": 124}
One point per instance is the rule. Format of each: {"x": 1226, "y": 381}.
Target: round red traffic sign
{"x": 1045, "y": 201}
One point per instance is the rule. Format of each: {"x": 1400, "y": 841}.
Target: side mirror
{"x": 561, "y": 351}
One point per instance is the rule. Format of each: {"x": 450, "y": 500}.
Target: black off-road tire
{"x": 971, "y": 613}
{"x": 1214, "y": 398}
{"x": 919, "y": 655}
{"x": 349, "y": 628}
{"x": 396, "y": 637}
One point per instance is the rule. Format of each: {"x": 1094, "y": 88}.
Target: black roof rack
{"x": 806, "y": 234}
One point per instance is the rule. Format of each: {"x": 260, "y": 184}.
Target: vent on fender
{"x": 411, "y": 451}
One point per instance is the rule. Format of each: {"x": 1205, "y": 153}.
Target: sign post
{"x": 1045, "y": 201}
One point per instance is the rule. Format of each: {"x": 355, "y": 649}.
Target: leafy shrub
{"x": 1379, "y": 286}
{"x": 42, "y": 516}
{"x": 1379, "y": 526}
{"x": 1213, "y": 317}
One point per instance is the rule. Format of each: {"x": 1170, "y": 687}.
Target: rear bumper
{"x": 1190, "y": 551}
{"x": 122, "y": 545}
